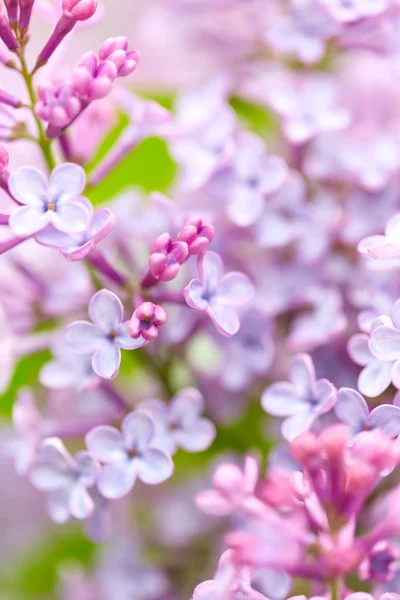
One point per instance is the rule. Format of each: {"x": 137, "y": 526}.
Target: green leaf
{"x": 256, "y": 117}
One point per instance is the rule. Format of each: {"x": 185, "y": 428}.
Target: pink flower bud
{"x": 196, "y": 234}
{"x": 146, "y": 320}
{"x": 12, "y": 10}
{"x": 3, "y": 159}
{"x": 116, "y": 51}
{"x": 5, "y": 31}
{"x": 166, "y": 257}
{"x": 79, "y": 10}
{"x": 25, "y": 12}
{"x": 334, "y": 440}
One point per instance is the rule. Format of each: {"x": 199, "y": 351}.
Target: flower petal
{"x": 50, "y": 236}
{"x": 88, "y": 468}
{"x": 293, "y": 426}
{"x": 29, "y": 186}
{"x": 351, "y": 408}
{"x": 225, "y": 319}
{"x": 53, "y": 467}
{"x": 106, "y": 444}
{"x": 211, "y": 269}
{"x": 375, "y": 378}
{"x": 57, "y": 506}
{"x": 84, "y": 337}
{"x": 80, "y": 503}
{"x": 138, "y": 430}
{"x": 198, "y": 437}
{"x": 103, "y": 222}
{"x": 106, "y": 360}
{"x": 358, "y": 349}
{"x": 154, "y": 466}
{"x": 213, "y": 503}
{"x": 71, "y": 217}
{"x": 66, "y": 181}
{"x": 235, "y": 289}
{"x": 386, "y": 418}
{"x": 194, "y": 293}
{"x": 246, "y": 205}
{"x": 385, "y": 343}
{"x": 186, "y": 405}
{"x": 116, "y": 481}
{"x": 302, "y": 374}
{"x": 27, "y": 220}
{"x": 281, "y": 399}
{"x": 125, "y": 341}
{"x": 106, "y": 310}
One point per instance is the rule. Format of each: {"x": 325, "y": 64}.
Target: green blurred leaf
{"x": 256, "y": 117}
{"x": 26, "y": 374}
{"x": 35, "y": 575}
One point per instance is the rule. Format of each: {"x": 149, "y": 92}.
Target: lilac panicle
{"x": 128, "y": 455}
{"x": 104, "y": 337}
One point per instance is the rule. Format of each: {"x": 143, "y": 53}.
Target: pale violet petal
{"x": 225, "y": 319}
{"x": 71, "y": 217}
{"x": 28, "y": 186}
{"x": 351, "y": 409}
{"x": 106, "y": 360}
{"x": 245, "y": 206}
{"x": 281, "y": 399}
{"x": 88, "y": 468}
{"x": 106, "y": 310}
{"x": 80, "y": 503}
{"x": 50, "y": 236}
{"x": 235, "y": 289}
{"x": 106, "y": 444}
{"x": 211, "y": 269}
{"x": 186, "y": 405}
{"x": 385, "y": 343}
{"x": 375, "y": 378}
{"x": 358, "y": 349}
{"x": 66, "y": 181}
{"x": 386, "y": 418}
{"x": 302, "y": 374}
{"x": 138, "y": 430}
{"x": 102, "y": 223}
{"x": 27, "y": 220}
{"x": 154, "y": 466}
{"x": 194, "y": 295}
{"x": 115, "y": 481}
{"x": 84, "y": 337}
{"x": 198, "y": 437}
{"x": 296, "y": 424}
{"x": 125, "y": 341}
{"x": 57, "y": 506}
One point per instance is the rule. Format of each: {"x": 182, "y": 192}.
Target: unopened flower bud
{"x": 79, "y": 10}
{"x": 25, "y": 12}
{"x": 116, "y": 50}
{"x": 5, "y": 31}
{"x": 196, "y": 234}
{"x": 12, "y": 10}
{"x": 334, "y": 440}
{"x": 305, "y": 447}
{"x": 146, "y": 320}
{"x": 166, "y": 257}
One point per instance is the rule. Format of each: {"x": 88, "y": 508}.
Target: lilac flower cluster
{"x": 265, "y": 284}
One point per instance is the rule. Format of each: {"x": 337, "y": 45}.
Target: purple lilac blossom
{"x": 128, "y": 455}
{"x": 104, "y": 336}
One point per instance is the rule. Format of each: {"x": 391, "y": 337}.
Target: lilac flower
{"x": 58, "y": 103}
{"x": 57, "y": 202}
{"x": 303, "y": 31}
{"x": 232, "y": 488}
{"x": 381, "y": 562}
{"x": 352, "y": 409}
{"x": 179, "y": 423}
{"x": 249, "y": 353}
{"x": 302, "y": 400}
{"x": 377, "y": 373}
{"x": 27, "y": 421}
{"x": 77, "y": 246}
{"x": 384, "y": 342}
{"x": 68, "y": 370}
{"x": 105, "y": 336}
{"x": 67, "y": 480}
{"x": 217, "y": 294}
{"x": 383, "y": 247}
{"x": 308, "y": 106}
{"x": 353, "y": 10}
{"x": 254, "y": 174}
{"x": 146, "y": 320}
{"x": 128, "y": 455}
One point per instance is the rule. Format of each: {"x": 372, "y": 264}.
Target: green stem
{"x": 44, "y": 143}
{"x": 335, "y": 589}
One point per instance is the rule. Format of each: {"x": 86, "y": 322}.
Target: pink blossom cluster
{"x": 217, "y": 357}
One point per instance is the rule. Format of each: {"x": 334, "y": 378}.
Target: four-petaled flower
{"x": 57, "y": 202}
{"x": 128, "y": 455}
{"x": 179, "y": 423}
{"x": 383, "y": 247}
{"x": 67, "y": 480}
{"x": 105, "y": 336}
{"x": 302, "y": 400}
{"x": 217, "y": 293}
